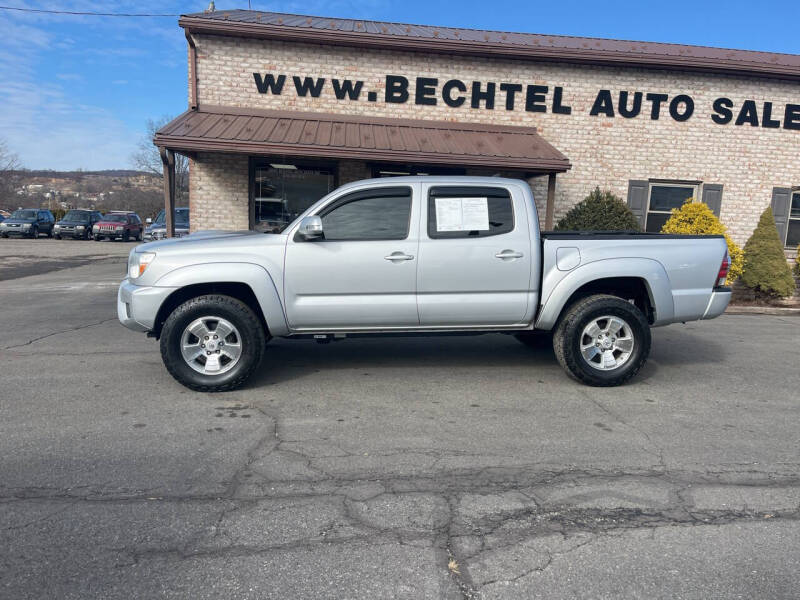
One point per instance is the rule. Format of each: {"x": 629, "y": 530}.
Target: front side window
{"x": 461, "y": 211}
{"x": 663, "y": 198}
{"x": 793, "y": 230}
{"x": 382, "y": 214}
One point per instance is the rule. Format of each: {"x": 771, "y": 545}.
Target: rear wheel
{"x": 602, "y": 340}
{"x": 212, "y": 343}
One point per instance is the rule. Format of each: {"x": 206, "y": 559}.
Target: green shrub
{"x": 765, "y": 266}
{"x": 797, "y": 262}
{"x": 599, "y": 211}
{"x": 696, "y": 218}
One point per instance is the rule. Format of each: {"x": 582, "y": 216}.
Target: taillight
{"x": 723, "y": 270}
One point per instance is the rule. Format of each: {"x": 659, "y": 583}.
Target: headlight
{"x": 96, "y": 227}
{"x": 120, "y": 228}
{"x": 58, "y": 226}
{"x": 26, "y": 225}
{"x": 79, "y": 227}
{"x": 138, "y": 263}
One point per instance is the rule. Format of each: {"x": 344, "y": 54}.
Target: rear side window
{"x": 467, "y": 211}
{"x": 380, "y": 214}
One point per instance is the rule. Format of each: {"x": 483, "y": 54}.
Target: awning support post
{"x": 168, "y": 161}
{"x": 551, "y": 202}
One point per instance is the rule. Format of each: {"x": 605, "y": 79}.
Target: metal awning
{"x": 268, "y": 132}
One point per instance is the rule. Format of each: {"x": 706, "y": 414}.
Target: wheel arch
{"x": 247, "y": 282}
{"x": 642, "y": 280}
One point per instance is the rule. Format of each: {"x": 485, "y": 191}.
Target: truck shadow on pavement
{"x": 285, "y": 360}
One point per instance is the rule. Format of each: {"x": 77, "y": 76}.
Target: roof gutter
{"x": 363, "y": 39}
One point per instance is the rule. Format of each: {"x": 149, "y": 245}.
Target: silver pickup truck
{"x": 418, "y": 254}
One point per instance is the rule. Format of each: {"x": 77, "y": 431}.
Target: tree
{"x": 696, "y": 218}
{"x": 765, "y": 266}
{"x": 9, "y": 164}
{"x": 147, "y": 158}
{"x": 599, "y": 211}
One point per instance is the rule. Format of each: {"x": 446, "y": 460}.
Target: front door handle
{"x": 398, "y": 256}
{"x": 508, "y": 255}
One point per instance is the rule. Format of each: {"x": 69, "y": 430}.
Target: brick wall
{"x": 218, "y": 192}
{"x": 605, "y": 152}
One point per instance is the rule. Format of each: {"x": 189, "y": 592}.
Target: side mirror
{"x": 149, "y": 221}
{"x": 310, "y": 228}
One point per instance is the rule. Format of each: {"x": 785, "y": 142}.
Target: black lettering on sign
{"x": 791, "y": 118}
{"x": 346, "y": 88}
{"x": 656, "y": 101}
{"x": 768, "y": 121}
{"x": 447, "y": 93}
{"x": 535, "y": 97}
{"x": 748, "y": 114}
{"x": 511, "y": 90}
{"x": 426, "y": 91}
{"x": 478, "y": 95}
{"x": 674, "y": 106}
{"x": 268, "y": 84}
{"x": 603, "y": 104}
{"x": 308, "y": 85}
{"x": 559, "y": 107}
{"x": 623, "y": 105}
{"x": 396, "y": 89}
{"x": 722, "y": 108}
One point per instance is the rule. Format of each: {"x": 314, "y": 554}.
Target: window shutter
{"x": 781, "y": 197}
{"x": 712, "y": 196}
{"x": 637, "y": 199}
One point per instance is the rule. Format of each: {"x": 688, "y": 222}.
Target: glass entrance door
{"x": 281, "y": 192}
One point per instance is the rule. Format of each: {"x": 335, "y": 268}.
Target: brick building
{"x": 284, "y": 108}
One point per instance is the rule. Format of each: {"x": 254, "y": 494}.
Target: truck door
{"x": 475, "y": 256}
{"x": 362, "y": 273}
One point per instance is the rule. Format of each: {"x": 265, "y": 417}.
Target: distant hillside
{"x": 29, "y": 173}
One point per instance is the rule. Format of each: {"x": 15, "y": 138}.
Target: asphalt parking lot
{"x": 466, "y": 467}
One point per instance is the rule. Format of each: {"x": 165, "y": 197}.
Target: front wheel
{"x": 212, "y": 343}
{"x": 602, "y": 340}
{"x": 35, "y": 233}
{"x": 97, "y": 238}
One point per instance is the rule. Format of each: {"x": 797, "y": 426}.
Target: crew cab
{"x": 430, "y": 255}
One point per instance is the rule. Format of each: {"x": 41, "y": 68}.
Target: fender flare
{"x": 255, "y": 276}
{"x": 650, "y": 271}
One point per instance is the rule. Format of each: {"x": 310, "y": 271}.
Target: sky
{"x": 76, "y": 91}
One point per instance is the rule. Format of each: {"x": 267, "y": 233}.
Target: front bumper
{"x": 720, "y": 297}
{"x": 137, "y": 305}
{"x": 16, "y": 231}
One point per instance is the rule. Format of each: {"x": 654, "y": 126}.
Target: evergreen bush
{"x": 765, "y": 266}
{"x": 696, "y": 218}
{"x": 599, "y": 211}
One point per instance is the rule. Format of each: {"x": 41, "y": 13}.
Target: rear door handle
{"x": 508, "y": 255}
{"x": 398, "y": 256}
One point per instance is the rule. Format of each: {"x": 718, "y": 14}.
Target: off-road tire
{"x": 240, "y": 315}
{"x": 568, "y": 332}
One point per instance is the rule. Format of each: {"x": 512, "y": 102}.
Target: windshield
{"x": 181, "y": 217}
{"x": 77, "y": 215}
{"x": 23, "y": 214}
{"x": 115, "y": 218}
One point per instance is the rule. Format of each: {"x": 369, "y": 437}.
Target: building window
{"x": 793, "y": 229}
{"x": 663, "y": 198}
{"x": 401, "y": 170}
{"x": 283, "y": 191}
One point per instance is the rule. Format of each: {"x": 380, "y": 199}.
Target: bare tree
{"x": 147, "y": 158}
{"x": 9, "y": 164}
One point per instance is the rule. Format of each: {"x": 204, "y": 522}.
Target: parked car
{"x": 77, "y": 224}
{"x": 157, "y": 229}
{"x": 28, "y": 222}
{"x": 418, "y": 255}
{"x": 2, "y": 218}
{"x": 118, "y": 224}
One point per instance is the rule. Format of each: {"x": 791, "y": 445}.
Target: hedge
{"x": 599, "y": 211}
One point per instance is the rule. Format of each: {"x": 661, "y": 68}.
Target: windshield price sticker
{"x": 462, "y": 214}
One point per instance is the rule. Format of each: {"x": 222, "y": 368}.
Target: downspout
{"x": 192, "y": 71}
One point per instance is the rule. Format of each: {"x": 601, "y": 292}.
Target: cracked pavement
{"x": 466, "y": 467}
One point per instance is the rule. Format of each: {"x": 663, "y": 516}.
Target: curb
{"x": 762, "y": 310}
